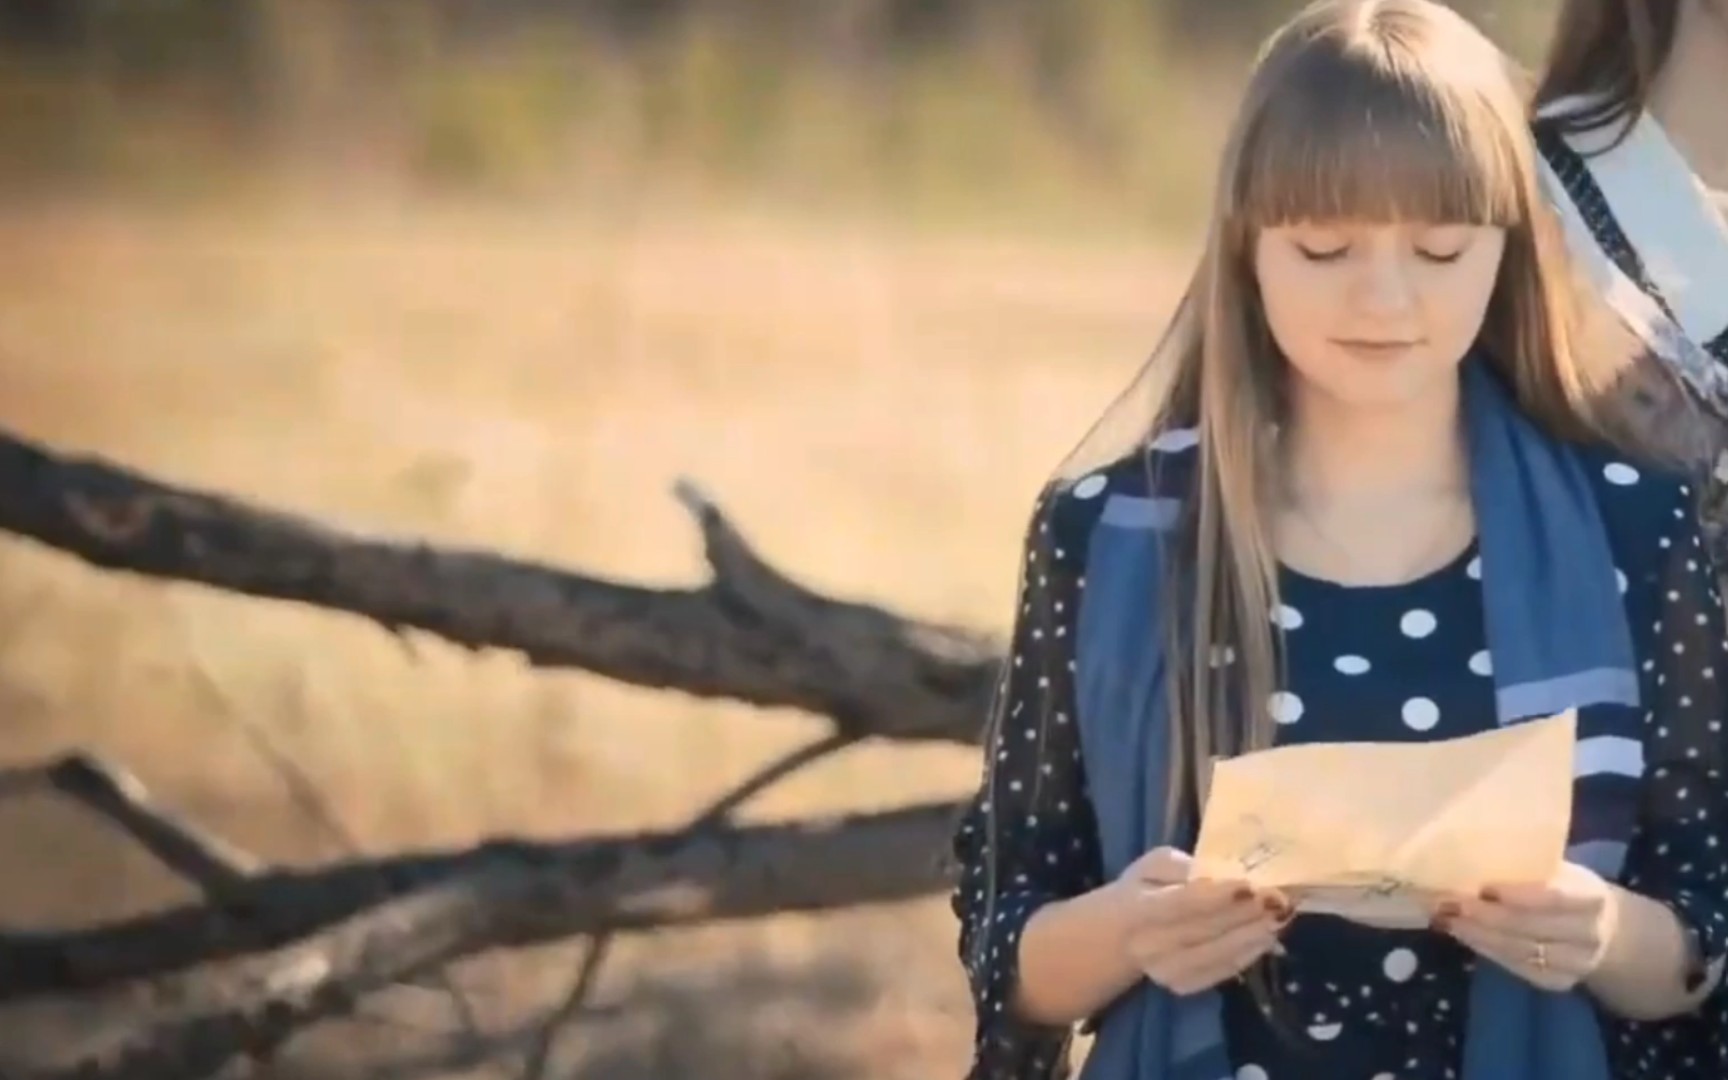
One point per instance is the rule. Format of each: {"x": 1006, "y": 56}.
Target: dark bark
{"x": 179, "y": 993}
{"x": 236, "y": 975}
{"x": 751, "y": 634}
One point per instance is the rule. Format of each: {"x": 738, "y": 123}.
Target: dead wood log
{"x": 219, "y": 870}
{"x": 751, "y": 634}
{"x": 629, "y": 882}
{"x": 269, "y": 951}
{"x": 237, "y": 974}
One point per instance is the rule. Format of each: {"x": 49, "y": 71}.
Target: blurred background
{"x": 497, "y": 272}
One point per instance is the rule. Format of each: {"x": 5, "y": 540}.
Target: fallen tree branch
{"x": 272, "y": 951}
{"x": 309, "y": 800}
{"x": 219, "y": 870}
{"x": 714, "y": 815}
{"x": 751, "y": 634}
{"x": 218, "y": 981}
{"x": 630, "y": 882}
{"x": 114, "y": 794}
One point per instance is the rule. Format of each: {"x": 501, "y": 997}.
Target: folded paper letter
{"x": 1371, "y": 831}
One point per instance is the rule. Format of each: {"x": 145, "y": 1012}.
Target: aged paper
{"x": 1372, "y": 831}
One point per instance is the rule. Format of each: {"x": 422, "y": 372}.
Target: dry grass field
{"x": 873, "y": 406}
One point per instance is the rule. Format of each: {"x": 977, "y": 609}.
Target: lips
{"x": 1375, "y": 348}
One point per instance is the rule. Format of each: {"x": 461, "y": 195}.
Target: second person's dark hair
{"x": 1610, "y": 51}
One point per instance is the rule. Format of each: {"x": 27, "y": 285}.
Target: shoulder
{"x": 1633, "y": 492}
{"x": 1646, "y": 509}
{"x": 1141, "y": 483}
{"x": 1574, "y": 139}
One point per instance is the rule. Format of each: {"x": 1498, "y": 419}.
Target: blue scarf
{"x": 1557, "y": 631}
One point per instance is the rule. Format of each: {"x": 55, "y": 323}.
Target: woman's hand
{"x": 1553, "y": 935}
{"x": 1189, "y": 935}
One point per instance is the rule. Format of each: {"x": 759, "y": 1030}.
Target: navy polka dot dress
{"x": 1407, "y": 663}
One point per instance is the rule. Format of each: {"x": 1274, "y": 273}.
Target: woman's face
{"x": 1373, "y": 314}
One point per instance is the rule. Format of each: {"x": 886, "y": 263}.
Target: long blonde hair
{"x": 1378, "y": 110}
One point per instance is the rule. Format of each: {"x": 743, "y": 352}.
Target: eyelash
{"x": 1322, "y": 256}
{"x": 1338, "y": 253}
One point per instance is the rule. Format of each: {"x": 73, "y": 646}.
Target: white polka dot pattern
{"x": 1401, "y": 999}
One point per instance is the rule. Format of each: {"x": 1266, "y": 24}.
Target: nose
{"x": 1385, "y": 288}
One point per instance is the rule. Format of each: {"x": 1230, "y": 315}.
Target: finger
{"x": 1529, "y": 897}
{"x": 1159, "y": 935}
{"x": 1210, "y": 925}
{"x": 1496, "y": 948}
{"x": 1163, "y": 923}
{"x": 1206, "y": 964}
{"x": 1164, "y": 865}
{"x": 1210, "y": 901}
{"x": 1562, "y": 960}
{"x": 1236, "y": 962}
{"x": 1197, "y": 899}
{"x": 1560, "y": 973}
{"x": 1551, "y": 925}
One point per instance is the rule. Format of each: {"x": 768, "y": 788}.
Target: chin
{"x": 1387, "y": 390}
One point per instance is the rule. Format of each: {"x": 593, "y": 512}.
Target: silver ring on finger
{"x": 1539, "y": 956}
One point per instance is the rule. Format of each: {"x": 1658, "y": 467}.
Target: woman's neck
{"x": 1688, "y": 97}
{"x": 1337, "y": 454}
{"x": 1372, "y": 496}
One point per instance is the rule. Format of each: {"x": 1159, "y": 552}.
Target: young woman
{"x": 1634, "y": 144}
{"x": 1632, "y": 125}
{"x": 1357, "y": 494}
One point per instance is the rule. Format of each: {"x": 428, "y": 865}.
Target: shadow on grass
{"x": 752, "y": 1020}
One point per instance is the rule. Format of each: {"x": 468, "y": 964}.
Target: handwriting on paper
{"x": 1372, "y": 831}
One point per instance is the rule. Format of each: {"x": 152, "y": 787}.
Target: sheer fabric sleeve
{"x": 1680, "y": 853}
{"x": 1029, "y": 836}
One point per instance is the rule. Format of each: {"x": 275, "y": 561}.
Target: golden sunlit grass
{"x": 874, "y": 407}
{"x": 874, "y": 404}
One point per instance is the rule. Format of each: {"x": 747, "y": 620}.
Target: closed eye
{"x": 1441, "y": 257}
{"x": 1328, "y": 255}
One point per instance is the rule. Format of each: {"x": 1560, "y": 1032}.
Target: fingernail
{"x": 1276, "y": 905}
{"x": 1443, "y": 916}
{"x": 1244, "y": 893}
